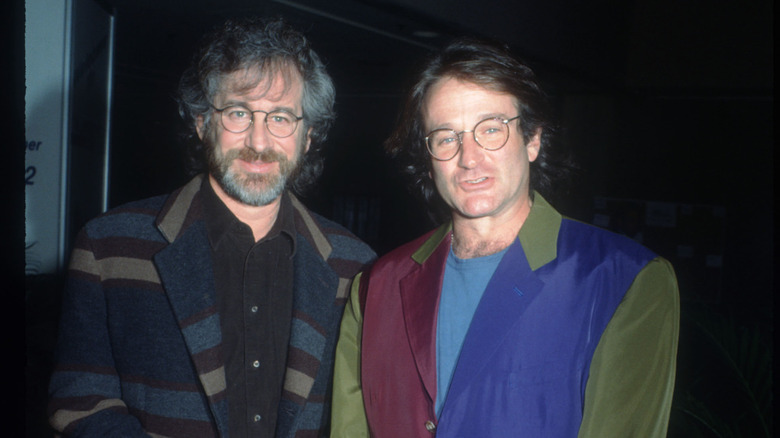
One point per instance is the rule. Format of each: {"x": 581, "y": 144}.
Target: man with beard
{"x": 214, "y": 311}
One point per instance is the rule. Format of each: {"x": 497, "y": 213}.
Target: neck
{"x": 260, "y": 219}
{"x": 479, "y": 237}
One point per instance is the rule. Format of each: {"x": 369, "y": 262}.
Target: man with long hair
{"x": 214, "y": 311}
{"x": 509, "y": 320}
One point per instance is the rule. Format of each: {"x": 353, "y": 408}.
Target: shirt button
{"x": 254, "y": 309}
{"x": 430, "y": 426}
{"x": 256, "y": 364}
{"x": 257, "y": 418}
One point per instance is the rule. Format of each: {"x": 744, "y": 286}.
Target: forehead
{"x": 450, "y": 100}
{"x": 281, "y": 84}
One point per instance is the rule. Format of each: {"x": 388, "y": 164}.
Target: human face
{"x": 253, "y": 167}
{"x": 478, "y": 183}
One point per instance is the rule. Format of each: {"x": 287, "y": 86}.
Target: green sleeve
{"x": 629, "y": 391}
{"x": 348, "y": 416}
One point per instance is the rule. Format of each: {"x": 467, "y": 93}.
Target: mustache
{"x": 249, "y": 154}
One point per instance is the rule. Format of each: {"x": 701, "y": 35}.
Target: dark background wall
{"x": 666, "y": 105}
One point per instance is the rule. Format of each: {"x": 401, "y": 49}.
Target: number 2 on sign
{"x": 29, "y": 173}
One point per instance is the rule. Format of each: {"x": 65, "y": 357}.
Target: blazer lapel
{"x": 186, "y": 274}
{"x": 315, "y": 316}
{"x": 511, "y": 290}
{"x": 314, "y": 295}
{"x": 420, "y": 291}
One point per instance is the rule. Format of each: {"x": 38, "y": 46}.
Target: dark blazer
{"x": 140, "y": 341}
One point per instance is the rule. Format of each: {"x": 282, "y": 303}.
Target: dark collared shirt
{"x": 254, "y": 283}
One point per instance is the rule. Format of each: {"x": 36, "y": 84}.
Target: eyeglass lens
{"x": 280, "y": 123}
{"x": 491, "y": 134}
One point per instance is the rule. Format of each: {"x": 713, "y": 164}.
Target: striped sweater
{"x": 139, "y": 352}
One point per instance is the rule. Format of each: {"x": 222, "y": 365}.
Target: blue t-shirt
{"x": 464, "y": 282}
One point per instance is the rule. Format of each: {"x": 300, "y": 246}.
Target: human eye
{"x": 445, "y": 139}
{"x": 280, "y": 118}
{"x": 490, "y": 127}
{"x": 238, "y": 113}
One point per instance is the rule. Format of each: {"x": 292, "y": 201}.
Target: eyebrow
{"x": 232, "y": 102}
{"x": 481, "y": 117}
{"x": 493, "y": 116}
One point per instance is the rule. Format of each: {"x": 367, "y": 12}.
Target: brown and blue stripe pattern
{"x": 140, "y": 331}
{"x": 327, "y": 259}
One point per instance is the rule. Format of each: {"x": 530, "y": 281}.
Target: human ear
{"x": 534, "y": 145}
{"x": 199, "y": 127}
{"x": 308, "y": 140}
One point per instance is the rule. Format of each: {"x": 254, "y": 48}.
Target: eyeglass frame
{"x": 459, "y": 135}
{"x": 252, "y": 119}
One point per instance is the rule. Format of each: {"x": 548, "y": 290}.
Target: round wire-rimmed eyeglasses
{"x": 237, "y": 119}
{"x": 491, "y": 134}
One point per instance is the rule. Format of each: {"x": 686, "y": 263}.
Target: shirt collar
{"x": 220, "y": 220}
{"x": 538, "y": 235}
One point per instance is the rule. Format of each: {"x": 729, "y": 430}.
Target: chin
{"x": 477, "y": 209}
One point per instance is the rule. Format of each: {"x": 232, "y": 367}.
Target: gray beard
{"x": 252, "y": 189}
{"x": 255, "y": 190}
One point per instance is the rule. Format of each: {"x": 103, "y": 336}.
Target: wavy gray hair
{"x": 271, "y": 46}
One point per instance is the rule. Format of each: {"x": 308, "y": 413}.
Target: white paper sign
{"x": 46, "y": 75}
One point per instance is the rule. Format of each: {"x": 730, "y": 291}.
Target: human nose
{"x": 258, "y": 137}
{"x": 471, "y": 153}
